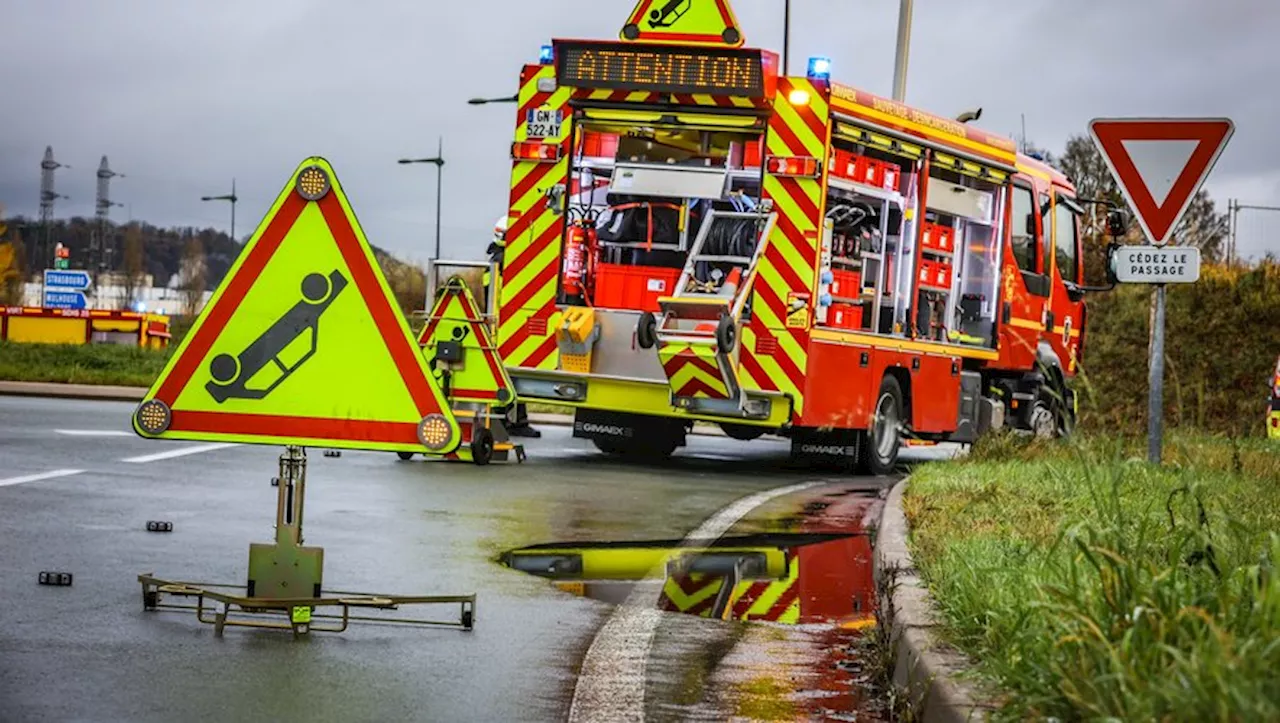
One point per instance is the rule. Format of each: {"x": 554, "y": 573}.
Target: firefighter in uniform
{"x": 497, "y": 248}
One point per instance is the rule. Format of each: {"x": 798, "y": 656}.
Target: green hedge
{"x": 1223, "y": 337}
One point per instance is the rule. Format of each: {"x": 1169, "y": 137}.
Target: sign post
{"x": 1159, "y": 164}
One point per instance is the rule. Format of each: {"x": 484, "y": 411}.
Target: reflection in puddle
{"x": 802, "y": 582}
{"x": 781, "y": 578}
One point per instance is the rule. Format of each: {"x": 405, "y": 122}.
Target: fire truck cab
{"x": 694, "y": 237}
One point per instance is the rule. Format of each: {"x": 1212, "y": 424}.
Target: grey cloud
{"x": 185, "y": 95}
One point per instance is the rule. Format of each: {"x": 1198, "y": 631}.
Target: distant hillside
{"x": 162, "y": 250}
{"x": 161, "y": 247}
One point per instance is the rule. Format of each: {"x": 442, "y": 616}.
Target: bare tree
{"x": 133, "y": 268}
{"x": 194, "y": 275}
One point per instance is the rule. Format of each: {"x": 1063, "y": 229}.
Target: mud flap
{"x": 700, "y": 376}
{"x": 835, "y": 449}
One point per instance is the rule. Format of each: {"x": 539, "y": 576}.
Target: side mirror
{"x": 1111, "y": 262}
{"x": 1117, "y": 226}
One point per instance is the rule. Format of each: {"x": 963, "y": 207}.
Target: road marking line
{"x": 611, "y": 684}
{"x": 38, "y": 477}
{"x": 94, "y": 433}
{"x": 179, "y": 452}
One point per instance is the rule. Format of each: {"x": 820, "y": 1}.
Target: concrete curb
{"x": 926, "y": 668}
{"x": 73, "y": 391}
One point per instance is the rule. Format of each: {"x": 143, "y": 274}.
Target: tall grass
{"x": 81, "y": 363}
{"x": 1088, "y": 584}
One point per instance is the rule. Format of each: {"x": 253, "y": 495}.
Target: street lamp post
{"x": 438, "y": 160}
{"x": 232, "y": 197}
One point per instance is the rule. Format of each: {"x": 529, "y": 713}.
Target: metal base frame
{"x": 283, "y": 589}
{"x": 295, "y": 614}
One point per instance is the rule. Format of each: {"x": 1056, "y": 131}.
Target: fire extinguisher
{"x": 581, "y": 256}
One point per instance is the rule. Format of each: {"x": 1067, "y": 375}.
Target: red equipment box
{"x": 746, "y": 155}
{"x": 844, "y": 164}
{"x": 892, "y": 177}
{"x": 846, "y": 283}
{"x": 939, "y": 238}
{"x": 599, "y": 145}
{"x": 935, "y": 275}
{"x": 845, "y": 316}
{"x": 633, "y": 287}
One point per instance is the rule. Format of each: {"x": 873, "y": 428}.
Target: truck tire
{"x": 881, "y": 443}
{"x": 1051, "y": 415}
{"x": 406, "y": 456}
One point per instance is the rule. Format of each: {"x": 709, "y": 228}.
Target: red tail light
{"x": 535, "y": 151}
{"x": 793, "y": 166}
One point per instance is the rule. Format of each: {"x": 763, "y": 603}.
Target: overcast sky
{"x": 183, "y": 95}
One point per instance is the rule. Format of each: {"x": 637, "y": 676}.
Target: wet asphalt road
{"x": 89, "y": 652}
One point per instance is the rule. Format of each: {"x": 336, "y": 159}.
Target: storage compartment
{"x": 633, "y": 287}
{"x": 845, "y": 316}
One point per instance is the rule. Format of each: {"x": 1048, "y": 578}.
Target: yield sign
{"x": 1160, "y": 163}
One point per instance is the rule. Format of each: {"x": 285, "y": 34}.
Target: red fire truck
{"x": 693, "y": 236}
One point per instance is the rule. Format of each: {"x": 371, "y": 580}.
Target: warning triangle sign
{"x": 460, "y": 349}
{"x": 687, "y": 22}
{"x": 1160, "y": 163}
{"x": 302, "y": 343}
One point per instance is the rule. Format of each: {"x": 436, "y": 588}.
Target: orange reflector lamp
{"x": 793, "y": 166}
{"x": 535, "y": 151}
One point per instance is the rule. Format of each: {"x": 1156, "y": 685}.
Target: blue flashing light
{"x": 1036, "y": 155}
{"x": 820, "y": 68}
{"x": 546, "y": 55}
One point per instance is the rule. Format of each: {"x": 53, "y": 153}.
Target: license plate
{"x": 543, "y": 123}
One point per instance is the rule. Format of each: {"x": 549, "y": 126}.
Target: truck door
{"x": 1066, "y": 306}
{"x": 1026, "y": 284}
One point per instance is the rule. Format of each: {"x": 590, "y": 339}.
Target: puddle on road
{"x": 812, "y": 588}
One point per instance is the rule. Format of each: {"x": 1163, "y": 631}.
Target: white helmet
{"x": 500, "y": 228}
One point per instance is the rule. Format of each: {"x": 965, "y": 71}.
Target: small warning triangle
{"x": 688, "y": 22}
{"x": 457, "y": 342}
{"x": 1160, "y": 163}
{"x": 302, "y": 343}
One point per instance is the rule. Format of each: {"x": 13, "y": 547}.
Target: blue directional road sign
{"x": 66, "y": 279}
{"x": 55, "y": 299}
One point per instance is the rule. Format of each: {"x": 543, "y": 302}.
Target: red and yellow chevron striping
{"x": 694, "y": 594}
{"x": 775, "y": 343}
{"x": 772, "y": 600}
{"x": 693, "y": 370}
{"x": 527, "y": 312}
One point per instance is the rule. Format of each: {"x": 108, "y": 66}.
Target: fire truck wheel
{"x": 726, "y": 335}
{"x": 406, "y": 456}
{"x": 1040, "y": 419}
{"x": 646, "y": 330}
{"x": 482, "y": 447}
{"x": 881, "y": 444}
